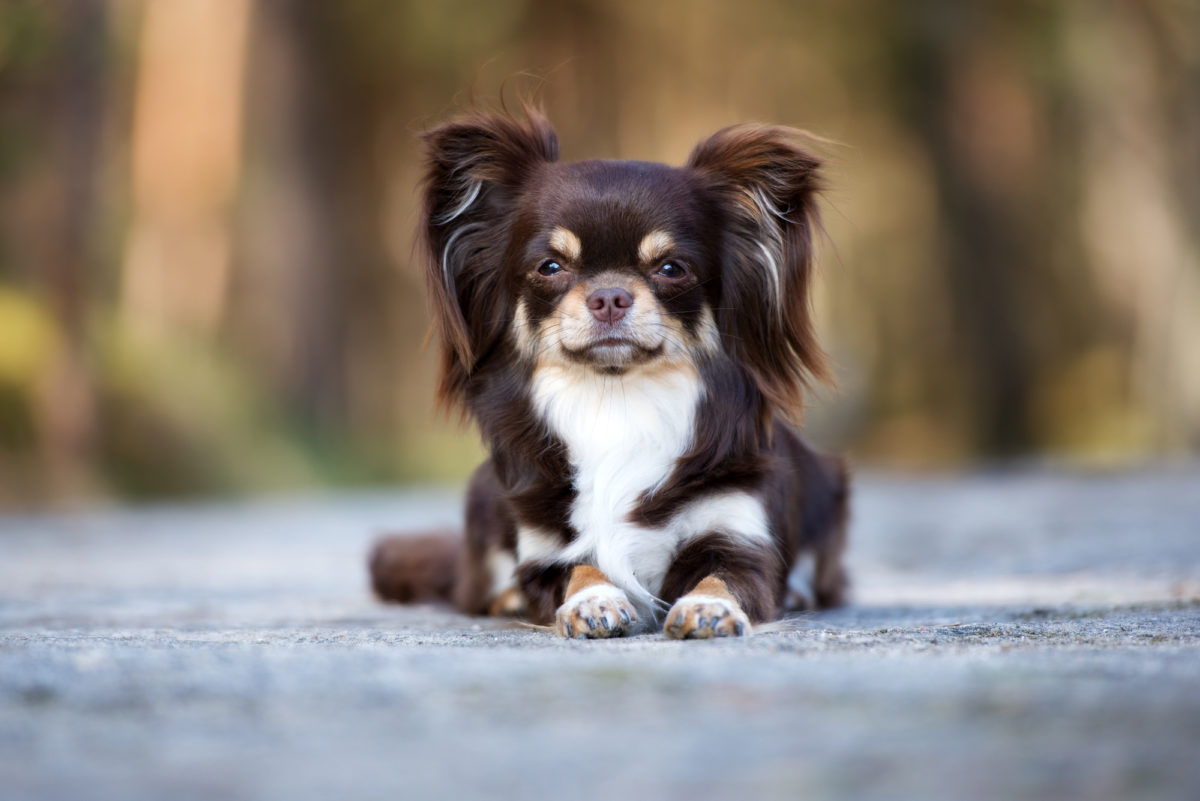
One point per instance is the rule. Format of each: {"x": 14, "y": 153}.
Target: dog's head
{"x": 619, "y": 266}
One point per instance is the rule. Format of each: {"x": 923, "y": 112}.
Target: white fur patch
{"x": 771, "y": 243}
{"x": 595, "y": 591}
{"x": 535, "y": 543}
{"x": 501, "y": 567}
{"x": 737, "y": 514}
{"x": 469, "y": 195}
{"x": 709, "y": 599}
{"x": 448, "y": 250}
{"x": 624, "y": 436}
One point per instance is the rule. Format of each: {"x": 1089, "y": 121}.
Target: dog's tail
{"x": 416, "y": 568}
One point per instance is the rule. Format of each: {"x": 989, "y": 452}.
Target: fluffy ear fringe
{"x": 768, "y": 185}
{"x": 474, "y": 167}
{"x": 766, "y": 182}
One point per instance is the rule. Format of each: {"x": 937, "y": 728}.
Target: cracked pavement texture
{"x": 1025, "y": 633}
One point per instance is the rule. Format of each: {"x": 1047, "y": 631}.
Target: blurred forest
{"x": 208, "y": 286}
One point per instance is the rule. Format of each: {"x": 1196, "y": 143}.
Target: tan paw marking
{"x": 509, "y": 603}
{"x": 695, "y": 617}
{"x": 600, "y": 610}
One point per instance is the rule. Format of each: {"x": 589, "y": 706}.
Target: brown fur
{"x": 584, "y": 576}
{"x": 714, "y": 586}
{"x": 742, "y": 216}
{"x": 415, "y": 569}
{"x": 499, "y": 152}
{"x": 746, "y": 163}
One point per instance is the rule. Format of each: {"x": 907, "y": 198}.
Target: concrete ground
{"x": 1024, "y": 634}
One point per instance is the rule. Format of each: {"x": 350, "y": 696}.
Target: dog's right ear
{"x": 475, "y": 168}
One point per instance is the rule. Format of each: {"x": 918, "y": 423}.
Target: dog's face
{"x": 612, "y": 271}
{"x": 620, "y": 267}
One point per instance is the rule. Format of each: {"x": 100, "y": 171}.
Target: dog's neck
{"x": 621, "y": 432}
{"x": 640, "y": 417}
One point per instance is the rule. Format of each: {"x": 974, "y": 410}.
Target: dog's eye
{"x": 672, "y": 270}
{"x": 549, "y": 268}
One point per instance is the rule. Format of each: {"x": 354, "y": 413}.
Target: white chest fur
{"x": 623, "y": 437}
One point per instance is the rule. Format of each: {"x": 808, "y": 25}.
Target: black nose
{"x": 609, "y": 305}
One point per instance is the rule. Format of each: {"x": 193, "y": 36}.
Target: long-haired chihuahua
{"x": 633, "y": 340}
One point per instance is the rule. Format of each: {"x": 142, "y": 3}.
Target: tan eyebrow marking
{"x": 566, "y": 243}
{"x": 655, "y": 245}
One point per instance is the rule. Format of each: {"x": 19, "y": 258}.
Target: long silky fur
{"x": 769, "y": 185}
{"x": 476, "y": 165}
{"x": 740, "y": 494}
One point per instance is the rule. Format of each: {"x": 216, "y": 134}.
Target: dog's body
{"x": 631, "y": 339}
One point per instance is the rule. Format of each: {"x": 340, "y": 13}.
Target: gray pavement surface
{"x": 1023, "y": 634}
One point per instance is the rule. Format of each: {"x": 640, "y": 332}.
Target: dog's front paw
{"x": 600, "y": 610}
{"x": 696, "y": 617}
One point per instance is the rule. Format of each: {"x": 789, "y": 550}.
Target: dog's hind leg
{"x": 475, "y": 572}
{"x": 486, "y": 583}
{"x": 829, "y": 576}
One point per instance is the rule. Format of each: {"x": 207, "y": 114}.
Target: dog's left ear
{"x": 767, "y": 184}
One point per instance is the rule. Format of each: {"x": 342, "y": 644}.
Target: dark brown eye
{"x": 672, "y": 270}
{"x": 548, "y": 268}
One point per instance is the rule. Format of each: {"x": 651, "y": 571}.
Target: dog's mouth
{"x": 613, "y": 354}
{"x": 613, "y": 342}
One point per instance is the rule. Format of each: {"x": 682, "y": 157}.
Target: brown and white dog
{"x": 632, "y": 340}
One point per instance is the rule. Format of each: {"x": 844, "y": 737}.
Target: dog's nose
{"x": 609, "y": 305}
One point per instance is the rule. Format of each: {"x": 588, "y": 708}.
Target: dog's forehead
{"x": 617, "y": 210}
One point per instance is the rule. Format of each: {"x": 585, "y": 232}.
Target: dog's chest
{"x": 623, "y": 437}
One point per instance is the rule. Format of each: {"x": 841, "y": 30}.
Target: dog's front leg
{"x": 707, "y": 610}
{"x": 594, "y": 607}
{"x": 720, "y": 585}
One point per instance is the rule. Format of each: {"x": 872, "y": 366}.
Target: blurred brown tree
{"x": 207, "y": 281}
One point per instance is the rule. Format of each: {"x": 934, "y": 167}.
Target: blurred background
{"x": 208, "y": 285}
